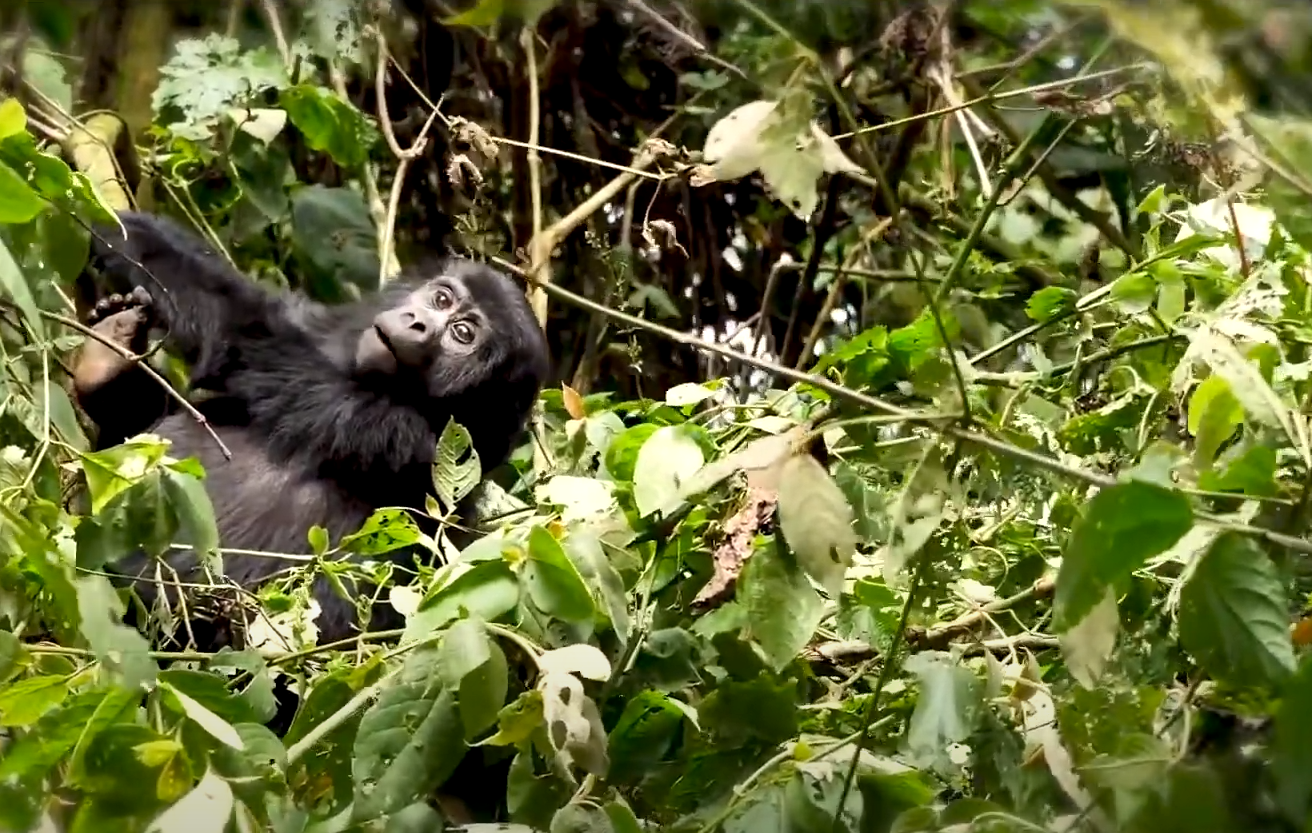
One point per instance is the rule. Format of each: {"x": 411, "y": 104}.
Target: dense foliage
{"x": 926, "y": 453}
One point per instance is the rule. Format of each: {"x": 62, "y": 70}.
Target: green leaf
{"x": 816, "y": 520}
{"x": 15, "y": 286}
{"x": 121, "y": 649}
{"x": 1122, "y": 527}
{"x": 687, "y": 393}
{"x": 384, "y": 531}
{"x": 191, "y": 504}
{"x": 1050, "y": 302}
{"x": 948, "y": 705}
{"x": 1233, "y": 617}
{"x": 553, "y": 582}
{"x": 487, "y": 12}
{"x": 210, "y": 691}
{"x": 215, "y": 726}
{"x": 409, "y": 741}
{"x": 13, "y": 119}
{"x": 13, "y": 655}
{"x": 783, "y": 610}
{"x": 334, "y": 241}
{"x": 59, "y": 731}
{"x": 457, "y": 469}
{"x": 473, "y": 664}
{"x": 487, "y": 590}
{"x": 18, "y": 202}
{"x": 585, "y": 550}
{"x": 329, "y": 124}
{"x": 1291, "y": 751}
{"x": 116, "y": 469}
{"x": 24, "y": 702}
{"x": 207, "y": 808}
{"x": 1134, "y": 292}
{"x": 622, "y": 453}
{"x": 1214, "y": 417}
{"x": 668, "y": 458}
{"x": 517, "y": 721}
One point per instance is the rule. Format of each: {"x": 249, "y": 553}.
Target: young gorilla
{"x": 330, "y": 412}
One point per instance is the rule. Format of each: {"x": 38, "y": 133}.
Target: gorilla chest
{"x": 259, "y": 503}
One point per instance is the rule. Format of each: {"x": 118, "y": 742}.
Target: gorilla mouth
{"x": 387, "y": 342}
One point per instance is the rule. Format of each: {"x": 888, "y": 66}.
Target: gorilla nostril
{"x": 418, "y": 326}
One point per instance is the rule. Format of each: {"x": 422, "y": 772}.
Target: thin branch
{"x": 275, "y": 25}
{"x": 388, "y": 265}
{"x": 540, "y": 246}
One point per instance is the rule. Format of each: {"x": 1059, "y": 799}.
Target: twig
{"x": 275, "y": 25}
{"x": 377, "y": 210}
{"x": 387, "y": 262}
{"x": 540, "y": 246}
{"x": 1037, "y": 88}
{"x": 683, "y": 37}
{"x": 128, "y": 355}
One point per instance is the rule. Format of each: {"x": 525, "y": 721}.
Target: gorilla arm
{"x": 200, "y": 299}
{"x": 115, "y": 392}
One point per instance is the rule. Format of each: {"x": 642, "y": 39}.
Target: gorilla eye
{"x": 463, "y": 332}
{"x": 443, "y": 298}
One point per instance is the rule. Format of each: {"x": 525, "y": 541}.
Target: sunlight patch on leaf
{"x": 778, "y": 139}
{"x": 667, "y": 460}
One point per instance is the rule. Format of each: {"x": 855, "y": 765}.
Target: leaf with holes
{"x": 457, "y": 469}
{"x": 409, "y": 741}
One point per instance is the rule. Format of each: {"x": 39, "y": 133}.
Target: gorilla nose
{"x": 414, "y": 322}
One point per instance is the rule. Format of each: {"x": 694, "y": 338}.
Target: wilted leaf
{"x": 816, "y": 520}
{"x": 740, "y": 532}
{"x": 573, "y": 402}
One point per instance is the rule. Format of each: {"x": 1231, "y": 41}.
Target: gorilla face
{"x": 462, "y": 327}
{"x": 437, "y": 323}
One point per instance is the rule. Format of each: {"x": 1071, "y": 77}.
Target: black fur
{"x": 312, "y": 440}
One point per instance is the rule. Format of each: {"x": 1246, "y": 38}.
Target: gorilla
{"x": 330, "y": 412}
